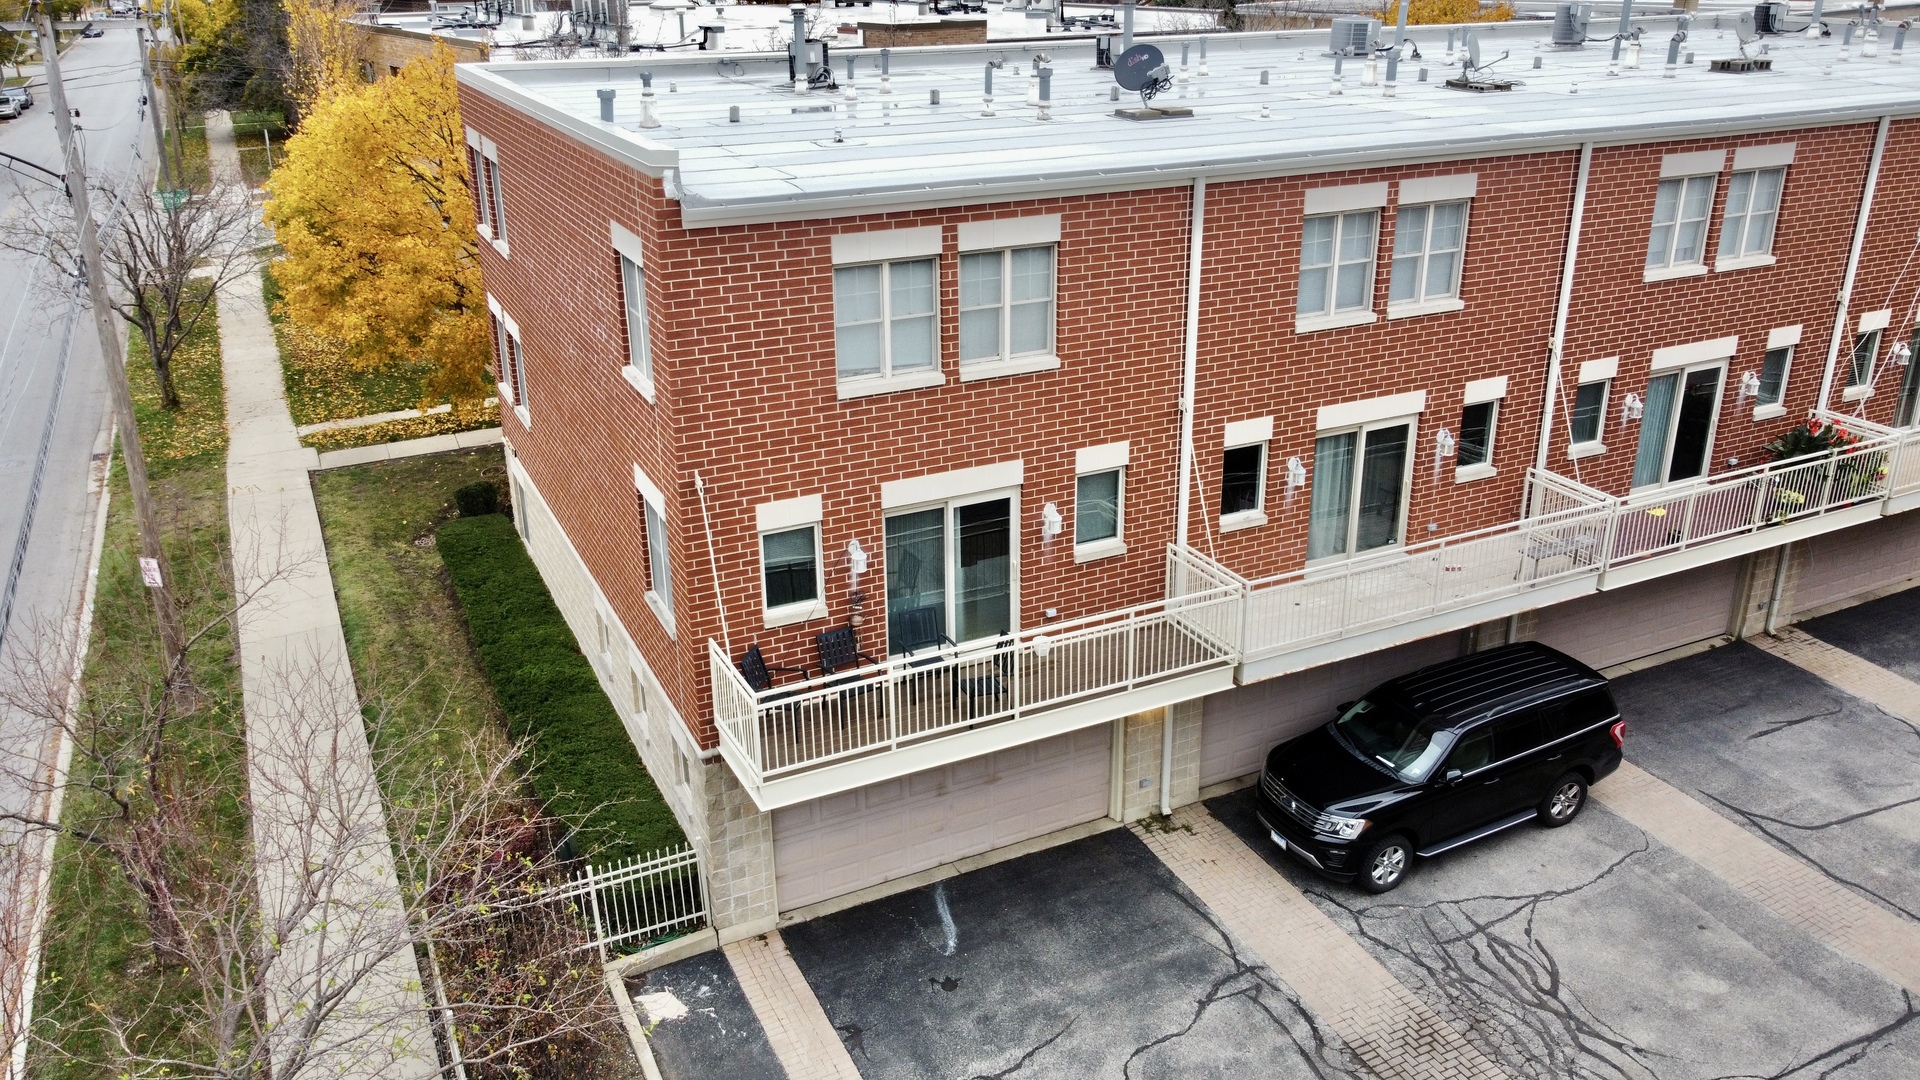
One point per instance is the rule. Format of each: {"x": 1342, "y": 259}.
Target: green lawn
{"x": 403, "y": 627}
{"x": 259, "y": 136}
{"x": 193, "y": 145}
{"x": 97, "y": 962}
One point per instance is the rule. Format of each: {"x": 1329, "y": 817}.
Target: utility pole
{"x": 153, "y": 561}
{"x": 153, "y": 108}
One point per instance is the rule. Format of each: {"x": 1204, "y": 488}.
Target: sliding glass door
{"x": 1906, "y": 411}
{"x": 956, "y": 560}
{"x": 1359, "y": 509}
{"x": 1676, "y": 426}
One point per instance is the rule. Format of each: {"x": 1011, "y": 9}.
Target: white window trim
{"x": 1484, "y": 389}
{"x": 1671, "y": 273}
{"x": 1585, "y": 450}
{"x": 887, "y": 245}
{"x": 490, "y": 178}
{"x": 947, "y": 486}
{"x": 1779, "y": 408}
{"x": 1020, "y": 363}
{"x": 1783, "y": 336}
{"x": 782, "y": 514}
{"x": 1360, "y": 430}
{"x": 655, "y": 499}
{"x": 1345, "y": 199}
{"x": 1769, "y": 412}
{"x": 1694, "y": 353}
{"x": 1749, "y": 158}
{"x": 870, "y": 385}
{"x": 1426, "y": 307}
{"x": 1255, "y": 432}
{"x": 1744, "y": 262}
{"x": 1033, "y": 231}
{"x": 1874, "y": 320}
{"x": 1694, "y": 163}
{"x": 1435, "y": 189}
{"x": 805, "y": 610}
{"x": 1480, "y": 391}
{"x": 1602, "y": 370}
{"x": 1353, "y": 414}
{"x": 1314, "y": 323}
{"x": 1467, "y": 473}
{"x": 628, "y": 246}
{"x": 1109, "y": 457}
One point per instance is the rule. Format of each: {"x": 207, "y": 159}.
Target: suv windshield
{"x": 1389, "y": 736}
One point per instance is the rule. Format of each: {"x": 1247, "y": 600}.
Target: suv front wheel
{"x": 1384, "y": 865}
{"x": 1564, "y": 801}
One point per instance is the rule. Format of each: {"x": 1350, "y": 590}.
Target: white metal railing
{"x": 1569, "y": 531}
{"x": 628, "y": 905}
{"x": 909, "y": 699}
{"x": 1903, "y": 466}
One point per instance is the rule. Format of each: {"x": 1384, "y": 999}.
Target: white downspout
{"x": 1561, "y": 311}
{"x": 713, "y": 563}
{"x": 1853, "y": 262}
{"x": 1189, "y": 370}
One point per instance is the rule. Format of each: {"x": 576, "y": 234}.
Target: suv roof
{"x": 1455, "y": 693}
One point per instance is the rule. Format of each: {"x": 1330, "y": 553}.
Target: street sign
{"x": 174, "y": 200}
{"x": 150, "y": 572}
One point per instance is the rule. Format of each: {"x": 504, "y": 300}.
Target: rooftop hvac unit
{"x": 1770, "y": 18}
{"x": 1353, "y": 36}
{"x": 1570, "y": 25}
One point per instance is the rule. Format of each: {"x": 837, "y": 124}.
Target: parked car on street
{"x": 9, "y": 108}
{"x": 93, "y": 32}
{"x": 20, "y": 94}
{"x": 1441, "y": 757}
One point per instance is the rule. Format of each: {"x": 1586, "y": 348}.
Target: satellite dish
{"x": 1743, "y": 29}
{"x": 1473, "y": 51}
{"x": 1139, "y": 67}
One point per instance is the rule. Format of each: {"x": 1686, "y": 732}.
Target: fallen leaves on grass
{"x": 460, "y": 418}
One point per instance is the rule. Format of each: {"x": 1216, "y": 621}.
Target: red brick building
{"x": 1112, "y": 452}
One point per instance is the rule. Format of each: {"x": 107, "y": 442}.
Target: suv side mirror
{"x": 1453, "y": 776}
{"x": 1341, "y": 709}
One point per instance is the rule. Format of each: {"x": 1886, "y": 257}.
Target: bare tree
{"x": 287, "y": 956}
{"x": 166, "y": 261}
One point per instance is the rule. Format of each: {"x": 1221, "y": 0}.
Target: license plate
{"x": 1278, "y": 839}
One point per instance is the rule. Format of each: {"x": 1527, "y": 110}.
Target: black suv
{"x": 1439, "y": 758}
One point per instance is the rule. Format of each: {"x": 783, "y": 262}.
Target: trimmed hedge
{"x": 584, "y": 767}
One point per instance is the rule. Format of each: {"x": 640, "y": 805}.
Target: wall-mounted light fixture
{"x": 1050, "y": 522}
{"x": 1632, "y": 409}
{"x": 1296, "y": 473}
{"x": 1444, "y": 443}
{"x": 1749, "y": 385}
{"x": 1900, "y": 355}
{"x": 856, "y": 558}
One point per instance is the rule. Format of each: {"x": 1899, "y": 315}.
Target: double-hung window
{"x": 884, "y": 319}
{"x": 483, "y": 182}
{"x": 1006, "y": 304}
{"x": 1336, "y": 264}
{"x": 1099, "y": 493}
{"x": 1589, "y": 410}
{"x": 1773, "y": 376}
{"x": 512, "y": 358}
{"x": 653, "y": 515}
{"x": 1473, "y": 454}
{"x": 1866, "y": 354}
{"x": 791, "y": 584}
{"x": 1243, "y": 473}
{"x": 1427, "y": 245}
{"x": 1360, "y": 481}
{"x": 1678, "y": 240}
{"x": 638, "y": 366}
{"x": 1753, "y": 204}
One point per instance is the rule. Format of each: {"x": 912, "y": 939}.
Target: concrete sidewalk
{"x": 327, "y": 877}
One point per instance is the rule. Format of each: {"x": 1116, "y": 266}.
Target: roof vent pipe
{"x": 1673, "y": 56}
{"x": 1203, "y": 58}
{"x": 647, "y": 117}
{"x": 1263, "y": 76}
{"x": 797, "y": 50}
{"x": 1846, "y": 42}
{"x": 886, "y": 70}
{"x": 606, "y": 105}
{"x": 852, "y": 94}
{"x": 1046, "y": 93}
{"x": 1626, "y": 27}
{"x": 1870, "y": 37}
{"x": 1816, "y": 28}
{"x": 733, "y": 114}
{"x": 986, "y": 100}
{"x": 1336, "y": 76}
{"x": 1126, "y": 26}
{"x": 1393, "y": 72}
{"x": 1899, "y": 42}
{"x": 1400, "y": 26}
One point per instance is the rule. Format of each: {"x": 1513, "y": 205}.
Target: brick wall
{"x": 874, "y": 35}
{"x": 1889, "y": 274}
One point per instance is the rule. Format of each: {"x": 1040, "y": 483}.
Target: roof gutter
{"x": 1853, "y": 261}
{"x": 1557, "y": 346}
{"x": 1189, "y": 375}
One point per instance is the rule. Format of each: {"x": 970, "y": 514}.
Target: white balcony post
{"x": 1686, "y": 523}
{"x": 1439, "y": 570}
{"x": 1826, "y": 482}
{"x": 892, "y": 696}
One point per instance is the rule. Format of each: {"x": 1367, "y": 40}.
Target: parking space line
{"x": 1391, "y": 1030}
{"x": 1830, "y": 912}
{"x": 1857, "y": 676}
{"x": 797, "y": 1027}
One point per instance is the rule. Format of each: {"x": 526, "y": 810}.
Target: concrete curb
{"x": 393, "y": 451}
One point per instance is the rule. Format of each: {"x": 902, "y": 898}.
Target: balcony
{"x": 1572, "y": 541}
{"x": 803, "y": 740}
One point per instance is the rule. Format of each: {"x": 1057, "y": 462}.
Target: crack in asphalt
{"x": 1495, "y": 973}
{"x": 1028, "y": 1056}
{"x": 1781, "y": 725}
{"x": 1855, "y": 1049}
{"x": 1760, "y": 822}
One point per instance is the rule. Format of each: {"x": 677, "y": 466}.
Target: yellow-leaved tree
{"x": 1438, "y": 12}
{"x": 321, "y": 38}
{"x": 374, "y": 208}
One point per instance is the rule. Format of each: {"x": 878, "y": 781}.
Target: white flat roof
{"x": 821, "y": 154}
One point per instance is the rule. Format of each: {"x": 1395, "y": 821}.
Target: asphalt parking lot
{"x": 1589, "y": 951}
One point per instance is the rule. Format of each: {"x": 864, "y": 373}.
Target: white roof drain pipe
{"x": 1188, "y": 376}
{"x": 1853, "y": 263}
{"x": 1558, "y": 344}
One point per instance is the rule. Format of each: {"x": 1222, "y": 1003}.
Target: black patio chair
{"x": 986, "y": 678}
{"x": 920, "y": 634}
{"x": 839, "y": 650}
{"x": 760, "y": 674}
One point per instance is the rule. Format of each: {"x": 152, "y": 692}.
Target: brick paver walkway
{"x": 1829, "y": 911}
{"x": 1861, "y": 678}
{"x": 1392, "y": 1031}
{"x": 797, "y": 1027}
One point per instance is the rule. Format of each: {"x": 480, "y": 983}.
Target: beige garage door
{"x": 850, "y": 841}
{"x": 1242, "y": 724}
{"x": 1853, "y": 561}
{"x": 1625, "y": 624}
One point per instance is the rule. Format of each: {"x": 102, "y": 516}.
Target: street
{"x": 53, "y": 400}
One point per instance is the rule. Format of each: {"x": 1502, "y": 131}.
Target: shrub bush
{"x": 478, "y": 499}
{"x": 584, "y": 768}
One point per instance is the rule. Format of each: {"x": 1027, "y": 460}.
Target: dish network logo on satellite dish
{"x": 1142, "y": 69}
